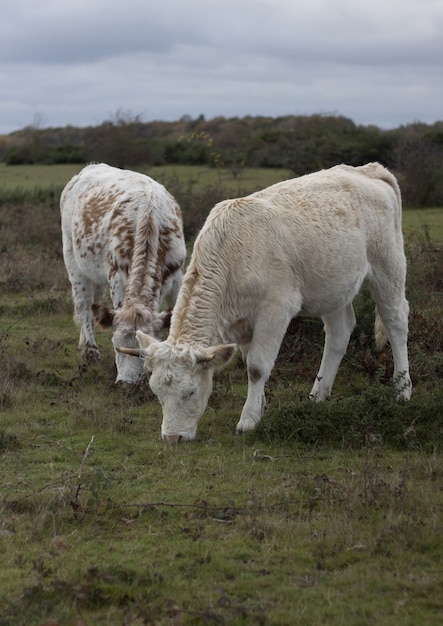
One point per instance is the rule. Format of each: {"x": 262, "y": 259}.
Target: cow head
{"x": 124, "y": 322}
{"x": 181, "y": 378}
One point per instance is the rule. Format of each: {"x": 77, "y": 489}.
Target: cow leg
{"x": 83, "y": 293}
{"x": 260, "y": 355}
{"x": 394, "y": 313}
{"x": 338, "y": 328}
{"x": 117, "y": 287}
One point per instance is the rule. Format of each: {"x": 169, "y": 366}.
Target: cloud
{"x": 78, "y": 63}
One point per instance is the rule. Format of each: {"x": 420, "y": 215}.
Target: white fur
{"x": 300, "y": 247}
{"x": 123, "y": 231}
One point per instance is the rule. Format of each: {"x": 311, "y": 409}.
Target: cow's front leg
{"x": 82, "y": 295}
{"x": 87, "y": 346}
{"x": 88, "y": 349}
{"x": 255, "y": 403}
{"x": 260, "y": 357}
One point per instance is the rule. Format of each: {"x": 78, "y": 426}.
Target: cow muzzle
{"x": 184, "y": 436}
{"x": 172, "y": 438}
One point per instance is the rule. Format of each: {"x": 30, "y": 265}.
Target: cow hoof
{"x": 246, "y": 427}
{"x": 91, "y": 356}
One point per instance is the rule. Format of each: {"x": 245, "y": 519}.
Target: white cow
{"x": 121, "y": 230}
{"x": 300, "y": 247}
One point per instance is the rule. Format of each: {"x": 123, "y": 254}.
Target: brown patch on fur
{"x": 254, "y": 374}
{"x": 98, "y": 206}
{"x": 168, "y": 270}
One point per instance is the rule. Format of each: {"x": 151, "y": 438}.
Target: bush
{"x": 195, "y": 203}
{"x": 20, "y": 155}
{"x": 420, "y": 164}
{"x": 65, "y": 154}
{"x": 371, "y": 418}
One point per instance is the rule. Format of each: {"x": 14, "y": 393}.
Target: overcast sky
{"x": 79, "y": 62}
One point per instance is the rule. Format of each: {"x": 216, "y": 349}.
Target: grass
{"x": 199, "y": 178}
{"x": 102, "y": 520}
{"x": 428, "y": 222}
{"x": 223, "y": 530}
{"x": 31, "y": 177}
{"x": 326, "y": 514}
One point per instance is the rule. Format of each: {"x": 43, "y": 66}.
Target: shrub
{"x": 20, "y": 155}
{"x": 372, "y": 417}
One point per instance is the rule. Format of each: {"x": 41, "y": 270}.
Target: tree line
{"x": 301, "y": 144}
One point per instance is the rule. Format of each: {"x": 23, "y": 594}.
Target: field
{"x": 327, "y": 514}
{"x": 17, "y": 182}
{"x": 28, "y": 177}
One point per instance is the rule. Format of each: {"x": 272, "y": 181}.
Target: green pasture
{"x": 26, "y": 178}
{"x": 328, "y": 513}
{"x": 308, "y": 521}
{"x": 29, "y": 177}
{"x": 425, "y": 223}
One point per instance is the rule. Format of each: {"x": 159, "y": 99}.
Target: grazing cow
{"x": 300, "y": 247}
{"x": 121, "y": 230}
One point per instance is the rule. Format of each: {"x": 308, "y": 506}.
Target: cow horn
{"x": 131, "y": 351}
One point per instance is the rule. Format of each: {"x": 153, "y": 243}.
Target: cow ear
{"x": 144, "y": 340}
{"x": 103, "y": 315}
{"x": 217, "y": 356}
{"x": 163, "y": 320}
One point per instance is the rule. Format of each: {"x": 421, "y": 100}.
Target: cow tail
{"x": 381, "y": 335}
{"x": 144, "y": 257}
{"x": 148, "y": 252}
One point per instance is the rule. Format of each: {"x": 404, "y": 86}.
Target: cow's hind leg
{"x": 338, "y": 328}
{"x": 394, "y": 311}
{"x": 260, "y": 355}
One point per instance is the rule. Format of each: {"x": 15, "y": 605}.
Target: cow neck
{"x": 198, "y": 313}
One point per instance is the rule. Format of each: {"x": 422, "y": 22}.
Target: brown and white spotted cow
{"x": 123, "y": 231}
{"x": 300, "y": 247}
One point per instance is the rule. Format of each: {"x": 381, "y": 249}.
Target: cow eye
{"x": 189, "y": 394}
